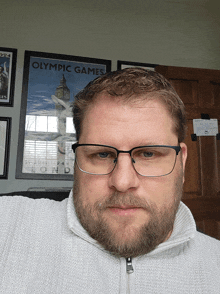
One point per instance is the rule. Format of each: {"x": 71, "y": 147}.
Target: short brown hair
{"x": 128, "y": 85}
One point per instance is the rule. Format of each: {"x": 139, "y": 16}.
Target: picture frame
{"x": 46, "y": 133}
{"x": 125, "y": 64}
{"x": 5, "y": 133}
{"x": 8, "y": 59}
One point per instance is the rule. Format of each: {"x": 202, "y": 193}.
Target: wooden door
{"x": 200, "y": 91}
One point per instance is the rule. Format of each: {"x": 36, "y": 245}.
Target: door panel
{"x": 188, "y": 91}
{"x": 200, "y": 91}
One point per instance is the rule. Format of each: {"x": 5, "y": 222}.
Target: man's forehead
{"x": 148, "y": 100}
{"x": 135, "y": 116}
{"x": 113, "y": 110}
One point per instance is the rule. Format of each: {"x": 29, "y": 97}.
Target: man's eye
{"x": 148, "y": 154}
{"x": 103, "y": 154}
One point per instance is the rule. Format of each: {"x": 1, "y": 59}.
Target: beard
{"x": 125, "y": 239}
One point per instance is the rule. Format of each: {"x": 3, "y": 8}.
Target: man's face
{"x": 128, "y": 214}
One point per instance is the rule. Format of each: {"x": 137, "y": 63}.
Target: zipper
{"x": 129, "y": 267}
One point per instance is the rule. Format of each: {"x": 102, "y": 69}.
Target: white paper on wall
{"x": 205, "y": 127}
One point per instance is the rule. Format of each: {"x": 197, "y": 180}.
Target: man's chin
{"x": 125, "y": 238}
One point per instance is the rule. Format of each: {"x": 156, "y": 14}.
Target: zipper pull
{"x": 129, "y": 267}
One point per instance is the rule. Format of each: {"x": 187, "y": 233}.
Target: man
{"x": 126, "y": 229}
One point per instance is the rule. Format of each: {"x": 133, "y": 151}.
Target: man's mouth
{"x": 124, "y": 210}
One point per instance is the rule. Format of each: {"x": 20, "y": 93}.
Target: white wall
{"x": 184, "y": 33}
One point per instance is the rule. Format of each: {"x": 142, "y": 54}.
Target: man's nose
{"x": 124, "y": 177}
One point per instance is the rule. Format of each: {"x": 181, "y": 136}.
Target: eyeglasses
{"x": 148, "y": 161}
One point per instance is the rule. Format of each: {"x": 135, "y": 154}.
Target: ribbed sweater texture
{"x": 45, "y": 250}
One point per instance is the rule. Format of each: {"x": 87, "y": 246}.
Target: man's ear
{"x": 184, "y": 157}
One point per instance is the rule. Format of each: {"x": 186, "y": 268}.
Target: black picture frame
{"x": 8, "y": 59}
{"x": 125, "y": 64}
{"x": 50, "y": 82}
{"x": 5, "y": 134}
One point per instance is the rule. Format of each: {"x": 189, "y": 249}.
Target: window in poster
{"x": 5, "y": 128}
{"x": 126, "y": 64}
{"x": 8, "y": 57}
{"x": 50, "y": 83}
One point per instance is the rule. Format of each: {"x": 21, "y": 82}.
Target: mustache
{"x": 119, "y": 199}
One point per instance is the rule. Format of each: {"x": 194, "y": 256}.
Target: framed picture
{"x": 50, "y": 82}
{"x": 5, "y": 131}
{"x": 8, "y": 58}
{"x": 126, "y": 64}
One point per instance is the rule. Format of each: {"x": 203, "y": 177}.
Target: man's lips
{"x": 124, "y": 210}
{"x": 124, "y": 206}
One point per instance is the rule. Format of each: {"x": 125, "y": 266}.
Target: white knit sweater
{"x": 44, "y": 249}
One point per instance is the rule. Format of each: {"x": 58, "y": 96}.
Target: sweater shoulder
{"x": 20, "y": 214}
{"x": 208, "y": 246}
{"x": 15, "y": 205}
{"x": 210, "y": 241}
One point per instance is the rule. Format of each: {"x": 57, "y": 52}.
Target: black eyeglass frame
{"x": 176, "y": 148}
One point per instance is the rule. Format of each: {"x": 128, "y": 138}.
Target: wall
{"x": 178, "y": 33}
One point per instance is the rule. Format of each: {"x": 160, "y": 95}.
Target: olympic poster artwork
{"x": 50, "y": 83}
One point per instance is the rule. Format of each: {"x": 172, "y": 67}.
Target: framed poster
{"x": 8, "y": 58}
{"x": 50, "y": 82}
{"x": 126, "y": 64}
{"x": 5, "y": 131}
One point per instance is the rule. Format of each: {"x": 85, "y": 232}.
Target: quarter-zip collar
{"x": 184, "y": 228}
